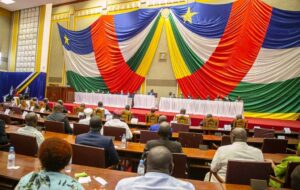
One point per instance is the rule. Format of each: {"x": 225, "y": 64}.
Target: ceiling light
{"x": 7, "y": 1}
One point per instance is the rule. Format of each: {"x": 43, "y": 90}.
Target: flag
{"x": 11, "y": 91}
{"x": 114, "y": 53}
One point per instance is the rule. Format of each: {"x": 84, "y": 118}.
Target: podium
{"x": 55, "y": 93}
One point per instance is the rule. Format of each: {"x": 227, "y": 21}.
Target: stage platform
{"x": 196, "y": 119}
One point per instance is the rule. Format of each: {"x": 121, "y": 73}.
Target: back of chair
{"x": 126, "y": 116}
{"x": 240, "y": 123}
{"x": 116, "y": 132}
{"x": 79, "y": 128}
{"x": 178, "y": 127}
{"x": 24, "y": 144}
{"x": 54, "y": 126}
{"x": 88, "y": 156}
{"x": 274, "y": 145}
{"x": 183, "y": 119}
{"x": 100, "y": 113}
{"x": 17, "y": 110}
{"x": 147, "y": 136}
{"x": 5, "y": 118}
{"x": 241, "y": 172}
{"x": 226, "y": 140}
{"x": 264, "y": 133}
{"x": 290, "y": 168}
{"x": 191, "y": 140}
{"x": 211, "y": 122}
{"x": 180, "y": 165}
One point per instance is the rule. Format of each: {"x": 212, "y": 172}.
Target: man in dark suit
{"x": 164, "y": 133}
{"x": 57, "y": 115}
{"x": 64, "y": 110}
{"x": 94, "y": 138}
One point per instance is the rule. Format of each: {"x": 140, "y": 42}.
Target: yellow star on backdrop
{"x": 187, "y": 17}
{"x": 66, "y": 39}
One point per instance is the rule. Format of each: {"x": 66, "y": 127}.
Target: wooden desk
{"x": 136, "y": 149}
{"x": 28, "y": 164}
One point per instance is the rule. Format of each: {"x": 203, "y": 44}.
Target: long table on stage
{"x": 201, "y": 107}
{"x": 144, "y": 101}
{"x": 111, "y": 100}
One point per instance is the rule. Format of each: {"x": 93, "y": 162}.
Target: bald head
{"x": 209, "y": 115}
{"x": 127, "y": 107}
{"x": 152, "y": 110}
{"x": 162, "y": 118}
{"x": 164, "y": 130}
{"x": 238, "y": 135}
{"x": 182, "y": 111}
{"x": 31, "y": 119}
{"x": 58, "y": 108}
{"x": 159, "y": 159}
{"x": 239, "y": 116}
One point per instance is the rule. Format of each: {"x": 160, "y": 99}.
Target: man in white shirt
{"x": 30, "y": 128}
{"x": 116, "y": 122}
{"x": 87, "y": 112}
{"x": 159, "y": 168}
{"x": 238, "y": 150}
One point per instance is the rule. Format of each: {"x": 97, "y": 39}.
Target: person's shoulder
{"x": 254, "y": 149}
{"x": 71, "y": 181}
{"x": 182, "y": 184}
{"x": 126, "y": 182}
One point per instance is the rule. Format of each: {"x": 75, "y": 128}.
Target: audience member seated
{"x": 94, "y": 138}
{"x": 155, "y": 127}
{"x": 152, "y": 117}
{"x": 240, "y": 122}
{"x": 158, "y": 175}
{"x": 64, "y": 109}
{"x": 295, "y": 179}
{"x": 164, "y": 134}
{"x": 31, "y": 121}
{"x": 46, "y": 104}
{"x": 34, "y": 104}
{"x": 16, "y": 101}
{"x": 79, "y": 110}
{"x": 57, "y": 115}
{"x": 101, "y": 111}
{"x": 209, "y": 121}
{"x": 126, "y": 114}
{"x": 182, "y": 117}
{"x": 23, "y": 105}
{"x": 280, "y": 169}
{"x": 3, "y": 136}
{"x": 238, "y": 150}
{"x": 116, "y": 122}
{"x": 54, "y": 154}
{"x": 88, "y": 114}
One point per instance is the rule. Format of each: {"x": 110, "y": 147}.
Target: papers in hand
{"x": 86, "y": 179}
{"x": 287, "y": 130}
{"x": 7, "y": 111}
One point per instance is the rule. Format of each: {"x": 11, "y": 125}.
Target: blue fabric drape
{"x": 8, "y": 79}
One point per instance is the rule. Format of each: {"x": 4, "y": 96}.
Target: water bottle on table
{"x": 11, "y": 158}
{"x": 123, "y": 141}
{"x": 141, "y": 168}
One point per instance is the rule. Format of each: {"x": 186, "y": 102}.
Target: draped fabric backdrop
{"x": 245, "y": 48}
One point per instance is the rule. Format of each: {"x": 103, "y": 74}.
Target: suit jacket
{"x": 56, "y": 116}
{"x": 94, "y": 138}
{"x": 173, "y": 146}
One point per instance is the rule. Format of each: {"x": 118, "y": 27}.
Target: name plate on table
{"x": 256, "y": 127}
{"x": 134, "y": 121}
{"x": 42, "y": 110}
{"x": 32, "y": 108}
{"x": 24, "y": 114}
{"x": 7, "y": 111}
{"x": 287, "y": 130}
{"x": 227, "y": 127}
{"x": 280, "y": 137}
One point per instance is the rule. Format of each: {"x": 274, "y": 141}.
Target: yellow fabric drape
{"x": 286, "y": 116}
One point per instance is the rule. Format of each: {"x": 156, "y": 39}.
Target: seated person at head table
{"x": 280, "y": 169}
{"x": 158, "y": 175}
{"x": 94, "y": 138}
{"x": 295, "y": 178}
{"x": 218, "y": 98}
{"x": 54, "y": 154}
{"x": 116, "y": 122}
{"x": 170, "y": 94}
{"x": 31, "y": 121}
{"x": 3, "y": 135}
{"x": 155, "y": 127}
{"x": 203, "y": 122}
{"x": 239, "y": 122}
{"x": 64, "y": 109}
{"x": 164, "y": 133}
{"x": 152, "y": 117}
{"x": 88, "y": 112}
{"x": 207, "y": 97}
{"x": 103, "y": 110}
{"x": 226, "y": 99}
{"x": 126, "y": 114}
{"x": 57, "y": 115}
{"x": 238, "y": 99}
{"x": 238, "y": 150}
{"x": 182, "y": 117}
{"x": 151, "y": 92}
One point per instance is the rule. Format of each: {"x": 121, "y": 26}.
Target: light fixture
{"x": 7, "y": 1}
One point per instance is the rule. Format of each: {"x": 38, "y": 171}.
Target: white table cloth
{"x": 110, "y": 100}
{"x": 201, "y": 107}
{"x": 144, "y": 101}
